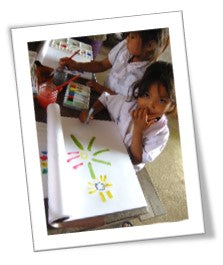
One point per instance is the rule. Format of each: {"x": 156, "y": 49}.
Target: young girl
{"x": 128, "y": 61}
{"x": 142, "y": 121}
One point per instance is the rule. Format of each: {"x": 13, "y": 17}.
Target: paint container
{"x": 47, "y": 94}
{"x": 60, "y": 75}
{"x": 77, "y": 96}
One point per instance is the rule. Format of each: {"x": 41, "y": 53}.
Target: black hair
{"x": 159, "y": 72}
{"x": 158, "y": 35}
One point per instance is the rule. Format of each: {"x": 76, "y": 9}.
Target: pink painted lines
{"x": 78, "y": 165}
{"x": 68, "y": 160}
{"x": 75, "y": 155}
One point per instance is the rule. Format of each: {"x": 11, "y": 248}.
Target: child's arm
{"x": 97, "y": 107}
{"x": 93, "y": 67}
{"x": 99, "y": 88}
{"x": 141, "y": 121}
{"x": 136, "y": 147}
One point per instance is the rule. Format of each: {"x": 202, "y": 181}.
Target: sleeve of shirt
{"x": 115, "y": 50}
{"x": 104, "y": 98}
{"x": 154, "y": 145}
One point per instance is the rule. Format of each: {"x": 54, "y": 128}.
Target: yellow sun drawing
{"x": 100, "y": 186}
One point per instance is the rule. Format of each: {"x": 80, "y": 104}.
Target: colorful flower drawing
{"x": 101, "y": 187}
{"x": 86, "y": 155}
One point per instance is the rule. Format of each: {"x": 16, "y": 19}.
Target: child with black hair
{"x": 127, "y": 61}
{"x": 142, "y": 121}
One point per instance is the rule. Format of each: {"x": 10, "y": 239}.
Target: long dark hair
{"x": 159, "y": 72}
{"x": 157, "y": 35}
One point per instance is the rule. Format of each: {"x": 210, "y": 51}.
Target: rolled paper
{"x": 57, "y": 168}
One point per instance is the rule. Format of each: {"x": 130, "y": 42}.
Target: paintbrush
{"x": 67, "y": 60}
{"x": 59, "y": 88}
{"x": 89, "y": 115}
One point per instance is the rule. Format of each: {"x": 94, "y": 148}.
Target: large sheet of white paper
{"x": 89, "y": 169}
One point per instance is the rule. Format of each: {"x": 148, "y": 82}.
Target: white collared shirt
{"x": 154, "y": 138}
{"x": 123, "y": 74}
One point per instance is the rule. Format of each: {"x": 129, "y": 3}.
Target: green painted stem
{"x": 78, "y": 144}
{"x": 91, "y": 170}
{"x": 101, "y": 161}
{"x": 101, "y": 151}
{"x": 91, "y": 143}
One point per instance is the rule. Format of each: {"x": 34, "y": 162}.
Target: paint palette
{"x": 72, "y": 45}
{"x": 77, "y": 96}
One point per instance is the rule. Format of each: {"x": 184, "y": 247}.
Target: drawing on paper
{"x": 101, "y": 187}
{"x": 43, "y": 162}
{"x": 86, "y": 155}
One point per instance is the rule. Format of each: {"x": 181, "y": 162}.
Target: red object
{"x": 44, "y": 158}
{"x": 59, "y": 88}
{"x": 47, "y": 94}
{"x": 69, "y": 58}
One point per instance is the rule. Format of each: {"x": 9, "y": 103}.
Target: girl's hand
{"x": 142, "y": 120}
{"x": 70, "y": 64}
{"x": 83, "y": 116}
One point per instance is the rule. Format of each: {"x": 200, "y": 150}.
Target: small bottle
{"x": 60, "y": 75}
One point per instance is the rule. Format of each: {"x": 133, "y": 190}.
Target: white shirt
{"x": 154, "y": 138}
{"x": 123, "y": 74}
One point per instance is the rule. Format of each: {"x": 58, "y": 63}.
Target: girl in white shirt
{"x": 142, "y": 121}
{"x": 128, "y": 61}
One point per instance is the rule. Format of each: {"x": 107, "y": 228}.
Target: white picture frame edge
{"x": 20, "y": 38}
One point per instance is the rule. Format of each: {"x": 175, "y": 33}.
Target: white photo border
{"x": 20, "y": 38}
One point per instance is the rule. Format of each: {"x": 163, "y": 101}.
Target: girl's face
{"x": 135, "y": 47}
{"x": 134, "y": 44}
{"x": 156, "y": 100}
